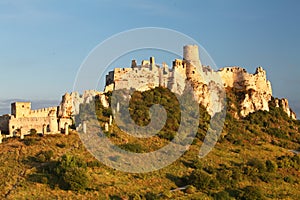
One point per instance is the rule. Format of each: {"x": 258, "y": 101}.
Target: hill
{"x": 251, "y": 160}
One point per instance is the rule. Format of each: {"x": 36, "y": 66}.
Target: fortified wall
{"x": 23, "y": 120}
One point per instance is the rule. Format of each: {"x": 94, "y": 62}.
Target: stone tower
{"x": 191, "y": 54}
{"x": 53, "y": 125}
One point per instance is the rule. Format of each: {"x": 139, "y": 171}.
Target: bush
{"x": 72, "y": 173}
{"x": 266, "y": 177}
{"x": 288, "y": 179}
{"x": 223, "y": 195}
{"x": 61, "y": 145}
{"x": 224, "y": 176}
{"x": 133, "y": 147}
{"x": 271, "y": 166}
{"x": 32, "y": 131}
{"x": 94, "y": 163}
{"x": 168, "y": 135}
{"x": 44, "y": 156}
{"x": 252, "y": 193}
{"x": 30, "y": 141}
{"x": 196, "y": 164}
{"x": 190, "y": 189}
{"x": 258, "y": 164}
{"x": 167, "y": 194}
{"x": 75, "y": 178}
{"x": 200, "y": 179}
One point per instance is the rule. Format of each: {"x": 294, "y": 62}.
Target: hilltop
{"x": 252, "y": 159}
{"x": 256, "y": 155}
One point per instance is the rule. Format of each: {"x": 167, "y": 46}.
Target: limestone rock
{"x": 65, "y": 107}
{"x": 284, "y": 104}
{"x": 254, "y": 101}
{"x": 70, "y": 103}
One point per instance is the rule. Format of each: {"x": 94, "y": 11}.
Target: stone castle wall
{"x": 22, "y": 120}
{"x": 203, "y": 79}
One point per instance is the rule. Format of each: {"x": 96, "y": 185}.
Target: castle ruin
{"x": 23, "y": 120}
{"x": 148, "y": 75}
{"x": 203, "y": 79}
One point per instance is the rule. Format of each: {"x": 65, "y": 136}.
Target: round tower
{"x": 191, "y": 54}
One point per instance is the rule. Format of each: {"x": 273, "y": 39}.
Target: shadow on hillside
{"x": 45, "y": 170}
{"x": 43, "y": 173}
{"x": 179, "y": 181}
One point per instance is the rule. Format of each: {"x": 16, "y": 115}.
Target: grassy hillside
{"x": 252, "y": 159}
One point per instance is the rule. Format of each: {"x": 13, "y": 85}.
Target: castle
{"x": 148, "y": 75}
{"x": 23, "y": 120}
{"x": 204, "y": 80}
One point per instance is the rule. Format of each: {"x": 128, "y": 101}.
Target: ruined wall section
{"x": 143, "y": 77}
{"x": 4, "y": 123}
{"x": 24, "y": 125}
{"x": 258, "y": 90}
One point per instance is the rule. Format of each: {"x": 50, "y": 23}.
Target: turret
{"x": 191, "y": 54}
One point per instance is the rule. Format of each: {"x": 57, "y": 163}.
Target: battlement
{"x": 44, "y": 112}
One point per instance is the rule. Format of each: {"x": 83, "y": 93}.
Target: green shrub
{"x": 61, "y": 145}
{"x": 200, "y": 179}
{"x": 224, "y": 176}
{"x": 133, "y": 147}
{"x": 94, "y": 163}
{"x": 196, "y": 164}
{"x": 252, "y": 193}
{"x": 190, "y": 189}
{"x": 44, "y": 156}
{"x": 167, "y": 194}
{"x": 168, "y": 135}
{"x": 151, "y": 196}
{"x": 72, "y": 173}
{"x": 223, "y": 195}
{"x": 258, "y": 164}
{"x": 28, "y": 141}
{"x": 75, "y": 178}
{"x": 134, "y": 196}
{"x": 288, "y": 179}
{"x": 266, "y": 177}
{"x": 33, "y": 132}
{"x": 271, "y": 166}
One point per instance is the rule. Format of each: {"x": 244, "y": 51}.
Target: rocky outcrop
{"x": 65, "y": 107}
{"x": 254, "y": 101}
{"x": 258, "y": 90}
{"x": 284, "y": 104}
{"x": 70, "y": 103}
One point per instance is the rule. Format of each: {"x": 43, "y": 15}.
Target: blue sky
{"x": 43, "y": 43}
